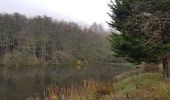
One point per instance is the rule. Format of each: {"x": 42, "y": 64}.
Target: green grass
{"x": 130, "y": 83}
{"x": 144, "y": 86}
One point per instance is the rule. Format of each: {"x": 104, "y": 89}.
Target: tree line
{"x": 43, "y": 40}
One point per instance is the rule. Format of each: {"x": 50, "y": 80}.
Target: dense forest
{"x": 42, "y": 40}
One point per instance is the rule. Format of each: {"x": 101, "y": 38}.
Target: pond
{"x": 18, "y": 83}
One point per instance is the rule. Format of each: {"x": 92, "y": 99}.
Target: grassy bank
{"x": 136, "y": 85}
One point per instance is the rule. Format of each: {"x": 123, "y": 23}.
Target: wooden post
{"x": 166, "y": 68}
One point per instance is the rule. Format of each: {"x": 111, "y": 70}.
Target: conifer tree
{"x": 144, "y": 27}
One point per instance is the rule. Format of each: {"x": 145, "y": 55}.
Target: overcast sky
{"x": 86, "y": 11}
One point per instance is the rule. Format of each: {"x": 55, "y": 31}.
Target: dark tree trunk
{"x": 166, "y": 68}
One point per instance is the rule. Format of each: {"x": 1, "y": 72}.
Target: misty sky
{"x": 86, "y": 11}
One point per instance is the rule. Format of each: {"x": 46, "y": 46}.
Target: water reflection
{"x": 18, "y": 83}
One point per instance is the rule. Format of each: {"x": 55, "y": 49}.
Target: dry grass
{"x": 89, "y": 90}
{"x": 133, "y": 85}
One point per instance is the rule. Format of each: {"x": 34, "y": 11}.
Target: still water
{"x": 21, "y": 82}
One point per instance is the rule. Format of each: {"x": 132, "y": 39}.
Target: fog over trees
{"x": 42, "y": 40}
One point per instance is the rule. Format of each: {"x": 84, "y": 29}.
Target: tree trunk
{"x": 166, "y": 68}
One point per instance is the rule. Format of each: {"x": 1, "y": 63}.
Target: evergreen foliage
{"x": 144, "y": 27}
